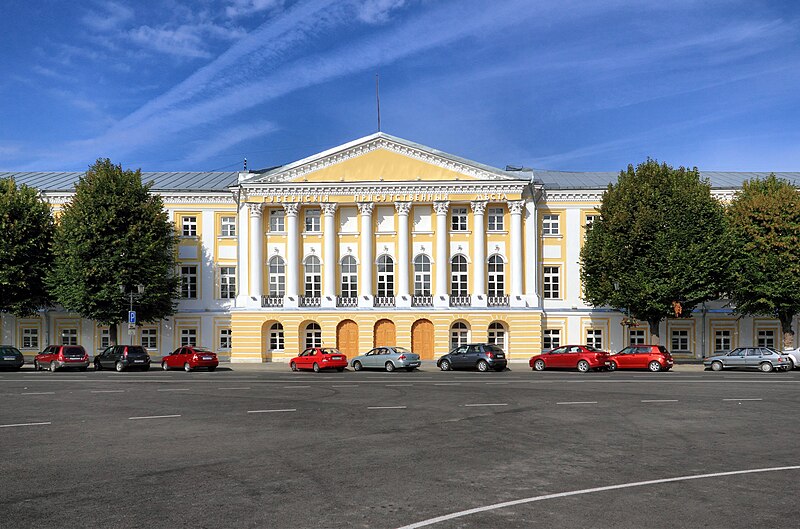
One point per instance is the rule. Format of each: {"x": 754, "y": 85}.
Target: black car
{"x": 11, "y": 358}
{"x": 121, "y": 357}
{"x": 480, "y": 356}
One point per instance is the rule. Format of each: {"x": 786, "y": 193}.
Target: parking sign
{"x": 131, "y": 316}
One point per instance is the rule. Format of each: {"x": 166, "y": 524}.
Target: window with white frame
{"x": 277, "y": 277}
{"x": 349, "y": 277}
{"x": 550, "y": 283}
{"x": 594, "y": 338}
{"x": 277, "y": 220}
{"x": 422, "y": 275}
{"x": 189, "y": 282}
{"x": 766, "y": 338}
{"x": 225, "y": 339}
{"x": 227, "y": 282}
{"x": 189, "y": 226}
{"x": 30, "y": 338}
{"x": 276, "y": 339}
{"x": 312, "y": 221}
{"x": 458, "y": 219}
{"x": 458, "y": 276}
{"x": 150, "y": 338}
{"x": 313, "y": 335}
{"x": 495, "y": 219}
{"x": 188, "y": 337}
{"x": 551, "y": 338}
{"x": 497, "y": 277}
{"x": 722, "y": 340}
{"x": 636, "y": 336}
{"x": 459, "y": 334}
{"x": 590, "y": 220}
{"x": 228, "y": 226}
{"x": 69, "y": 336}
{"x": 385, "y": 276}
{"x": 313, "y": 277}
{"x": 105, "y": 337}
{"x": 550, "y": 225}
{"x": 680, "y": 340}
{"x": 497, "y": 334}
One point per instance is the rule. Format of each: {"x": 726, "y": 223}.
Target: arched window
{"x": 349, "y": 277}
{"x": 497, "y": 281}
{"x": 313, "y": 277}
{"x": 276, "y": 340}
{"x": 497, "y": 334}
{"x": 385, "y": 276}
{"x": 313, "y": 335}
{"x": 459, "y": 334}
{"x": 422, "y": 275}
{"x": 458, "y": 276}
{"x": 277, "y": 277}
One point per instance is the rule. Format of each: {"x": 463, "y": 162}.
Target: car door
{"x": 735, "y": 358}
{"x": 753, "y": 357}
{"x": 641, "y": 357}
{"x": 569, "y": 358}
{"x": 174, "y": 358}
{"x": 103, "y": 357}
{"x": 555, "y": 358}
{"x": 625, "y": 358}
{"x": 458, "y": 357}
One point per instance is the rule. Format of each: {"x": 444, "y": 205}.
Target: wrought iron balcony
{"x": 422, "y": 301}
{"x": 383, "y": 301}
{"x": 346, "y": 301}
{"x": 310, "y": 301}
{"x": 460, "y": 301}
{"x": 272, "y": 301}
{"x": 497, "y": 301}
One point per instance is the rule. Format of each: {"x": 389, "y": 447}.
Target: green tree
{"x": 764, "y": 220}
{"x": 26, "y": 224}
{"x": 659, "y": 248}
{"x": 113, "y": 236}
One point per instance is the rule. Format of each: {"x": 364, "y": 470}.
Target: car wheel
{"x": 766, "y": 367}
{"x": 612, "y": 366}
{"x": 654, "y": 366}
{"x": 164, "y": 366}
{"x": 583, "y": 366}
{"x": 53, "y": 367}
{"x": 293, "y": 366}
{"x": 187, "y": 367}
{"x": 538, "y": 365}
{"x": 716, "y": 366}
{"x": 97, "y": 366}
{"x": 483, "y": 366}
{"x": 357, "y": 365}
{"x": 444, "y": 365}
{"x": 316, "y": 367}
{"x": 211, "y": 368}
{"x": 389, "y": 367}
{"x": 119, "y": 367}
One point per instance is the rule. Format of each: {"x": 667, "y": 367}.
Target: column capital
{"x": 291, "y": 208}
{"x": 441, "y": 207}
{"x": 365, "y": 208}
{"x": 255, "y": 208}
{"x": 478, "y": 207}
{"x": 328, "y": 208}
{"x": 403, "y": 208}
{"x": 515, "y": 207}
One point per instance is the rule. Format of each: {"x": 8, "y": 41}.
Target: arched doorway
{"x": 422, "y": 339}
{"x": 347, "y": 338}
{"x": 384, "y": 333}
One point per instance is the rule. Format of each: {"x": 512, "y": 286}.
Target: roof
{"x": 162, "y": 181}
{"x": 600, "y": 180}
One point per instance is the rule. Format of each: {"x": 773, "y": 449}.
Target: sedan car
{"x": 122, "y": 357}
{"x": 388, "y": 358}
{"x": 581, "y": 357}
{"x": 480, "y": 356}
{"x": 762, "y": 358}
{"x": 189, "y": 358}
{"x": 652, "y": 357}
{"x": 59, "y": 356}
{"x": 11, "y": 358}
{"x": 794, "y": 357}
{"x": 319, "y": 358}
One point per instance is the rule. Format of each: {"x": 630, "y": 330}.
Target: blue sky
{"x": 570, "y": 84}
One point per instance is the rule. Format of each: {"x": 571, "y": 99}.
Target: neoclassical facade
{"x": 384, "y": 241}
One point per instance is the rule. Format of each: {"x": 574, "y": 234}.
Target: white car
{"x": 794, "y": 356}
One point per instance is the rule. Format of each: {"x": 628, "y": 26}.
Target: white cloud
{"x": 246, "y": 7}
{"x": 377, "y": 11}
{"x": 227, "y": 139}
{"x": 187, "y": 40}
{"x": 111, "y": 16}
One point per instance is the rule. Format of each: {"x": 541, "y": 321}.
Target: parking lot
{"x": 260, "y": 446}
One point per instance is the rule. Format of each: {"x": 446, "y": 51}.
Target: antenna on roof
{"x": 378, "y": 99}
{"x": 245, "y": 165}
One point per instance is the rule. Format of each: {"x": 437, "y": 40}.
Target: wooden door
{"x": 422, "y": 339}
{"x": 384, "y": 333}
{"x": 347, "y": 338}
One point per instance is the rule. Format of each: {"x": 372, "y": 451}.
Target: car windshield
{"x": 401, "y": 350}
{"x": 593, "y": 349}
{"x": 202, "y": 350}
{"x": 73, "y": 351}
{"x": 136, "y": 349}
{"x": 494, "y": 349}
{"x": 9, "y": 351}
{"x": 330, "y": 351}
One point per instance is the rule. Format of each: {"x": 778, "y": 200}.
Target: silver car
{"x": 388, "y": 358}
{"x": 762, "y": 358}
{"x": 794, "y": 357}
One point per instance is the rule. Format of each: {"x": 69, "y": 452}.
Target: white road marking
{"x": 497, "y": 383}
{"x": 40, "y": 393}
{"x": 399, "y": 385}
{"x": 293, "y": 387}
{"x": 742, "y": 399}
{"x": 174, "y": 389}
{"x": 272, "y": 411}
{"x": 579, "y": 402}
{"x": 386, "y": 407}
{"x": 153, "y": 417}
{"x": 234, "y": 388}
{"x": 660, "y": 400}
{"x": 109, "y": 391}
{"x": 345, "y": 386}
{"x": 487, "y": 404}
{"x": 496, "y": 506}
{"x": 24, "y": 424}
{"x": 447, "y": 384}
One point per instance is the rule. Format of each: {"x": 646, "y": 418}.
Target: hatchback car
{"x": 319, "y": 358}
{"x": 58, "y": 356}
{"x": 121, "y": 357}
{"x": 584, "y": 358}
{"x": 652, "y": 357}
{"x": 762, "y": 358}
{"x": 190, "y": 358}
{"x": 11, "y": 358}
{"x": 480, "y": 356}
{"x": 388, "y": 358}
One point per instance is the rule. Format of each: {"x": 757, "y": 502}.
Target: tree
{"x": 26, "y": 224}
{"x": 764, "y": 220}
{"x": 659, "y": 248}
{"x": 113, "y": 236}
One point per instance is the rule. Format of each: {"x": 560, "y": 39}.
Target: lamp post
{"x": 131, "y": 315}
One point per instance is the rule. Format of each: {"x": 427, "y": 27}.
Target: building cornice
{"x": 169, "y": 197}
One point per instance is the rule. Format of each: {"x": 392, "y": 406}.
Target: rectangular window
{"x": 69, "y": 337}
{"x": 680, "y": 340}
{"x": 594, "y": 338}
{"x": 312, "y": 221}
{"x": 189, "y": 282}
{"x": 276, "y": 338}
{"x": 551, "y": 339}
{"x": 188, "y": 337}
{"x": 458, "y": 219}
{"x": 30, "y": 338}
{"x": 105, "y": 338}
{"x": 225, "y": 339}
{"x": 550, "y": 287}
{"x": 189, "y": 226}
{"x": 495, "y": 219}
{"x": 277, "y": 220}
{"x": 722, "y": 340}
{"x": 635, "y": 336}
{"x": 766, "y": 338}
{"x": 227, "y": 282}
{"x": 550, "y": 225}
{"x": 150, "y": 339}
{"x": 590, "y": 220}
{"x": 228, "y": 226}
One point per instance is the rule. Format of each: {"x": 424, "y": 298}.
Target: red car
{"x": 318, "y": 358}
{"x": 189, "y": 358}
{"x": 58, "y": 356}
{"x": 652, "y": 357}
{"x": 580, "y": 357}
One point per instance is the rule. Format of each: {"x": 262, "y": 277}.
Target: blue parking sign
{"x": 131, "y": 316}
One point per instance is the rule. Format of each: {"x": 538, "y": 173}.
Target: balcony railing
{"x": 497, "y": 301}
{"x": 272, "y": 301}
{"x": 422, "y": 301}
{"x": 346, "y": 301}
{"x": 460, "y": 301}
{"x": 383, "y": 301}
{"x": 310, "y": 301}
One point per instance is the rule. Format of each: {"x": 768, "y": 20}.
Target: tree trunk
{"x": 654, "y": 328}
{"x": 112, "y": 333}
{"x": 786, "y": 329}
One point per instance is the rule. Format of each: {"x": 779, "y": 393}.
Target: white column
{"x": 403, "y": 259}
{"x": 441, "y": 297}
{"x": 516, "y": 207}
{"x": 256, "y": 265}
{"x": 367, "y": 263}
{"x": 292, "y": 298}
{"x": 329, "y": 254}
{"x": 531, "y": 238}
{"x": 479, "y": 254}
{"x": 242, "y": 259}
